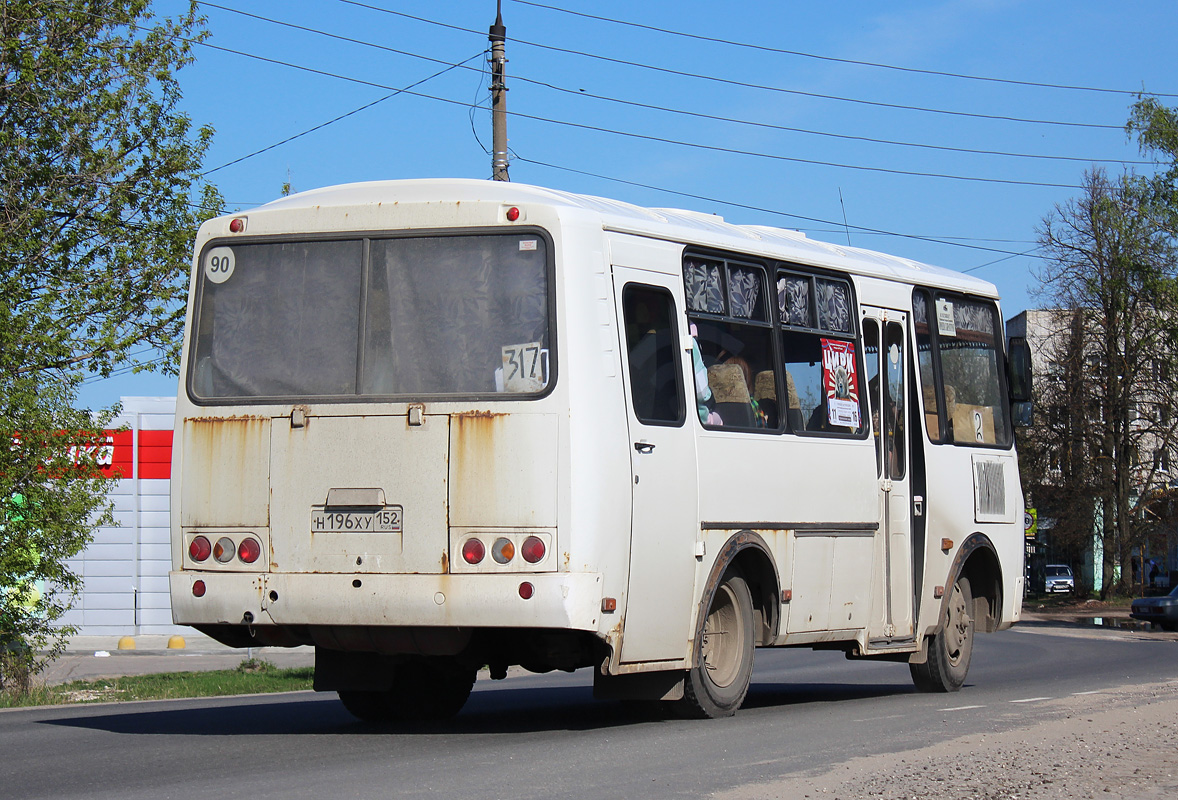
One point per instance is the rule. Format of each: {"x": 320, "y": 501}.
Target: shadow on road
{"x": 529, "y": 709}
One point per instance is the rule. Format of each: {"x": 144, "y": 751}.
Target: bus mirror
{"x": 1022, "y": 414}
{"x": 1019, "y": 370}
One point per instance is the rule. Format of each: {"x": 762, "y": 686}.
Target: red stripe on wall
{"x": 155, "y": 454}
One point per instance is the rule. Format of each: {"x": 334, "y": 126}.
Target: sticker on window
{"x": 219, "y": 264}
{"x": 841, "y": 383}
{"x": 946, "y": 326}
{"x": 527, "y": 245}
{"x": 524, "y": 368}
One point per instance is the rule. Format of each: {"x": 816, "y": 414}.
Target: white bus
{"x": 431, "y": 425}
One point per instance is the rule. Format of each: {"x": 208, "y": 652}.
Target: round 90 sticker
{"x": 219, "y": 263}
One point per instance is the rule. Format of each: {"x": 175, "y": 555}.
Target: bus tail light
{"x": 503, "y": 550}
{"x": 249, "y": 550}
{"x": 224, "y": 550}
{"x": 199, "y": 549}
{"x": 198, "y": 589}
{"x": 473, "y": 551}
{"x": 533, "y": 550}
{"x": 526, "y": 590}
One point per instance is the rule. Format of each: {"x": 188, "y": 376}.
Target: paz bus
{"x": 426, "y": 426}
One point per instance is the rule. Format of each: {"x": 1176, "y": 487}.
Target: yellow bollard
{"x": 176, "y": 643}
{"x": 127, "y": 643}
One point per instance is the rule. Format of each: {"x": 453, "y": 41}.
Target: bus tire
{"x": 950, "y": 648}
{"x": 422, "y": 690}
{"x": 718, "y": 682}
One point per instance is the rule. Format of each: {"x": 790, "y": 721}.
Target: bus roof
{"x": 690, "y": 227}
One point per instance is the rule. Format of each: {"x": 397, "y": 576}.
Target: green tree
{"x": 100, "y": 193}
{"x": 1111, "y": 272}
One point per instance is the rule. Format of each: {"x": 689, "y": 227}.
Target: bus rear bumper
{"x": 559, "y": 600}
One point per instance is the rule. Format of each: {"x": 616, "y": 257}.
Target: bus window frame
{"x": 727, "y": 261}
{"x": 855, "y": 335}
{"x": 365, "y": 238}
{"x": 675, "y": 351}
{"x": 932, "y": 294}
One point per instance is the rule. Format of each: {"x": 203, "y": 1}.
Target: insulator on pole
{"x": 498, "y": 38}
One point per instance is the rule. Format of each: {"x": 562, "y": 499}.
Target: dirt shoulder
{"x": 1115, "y": 744}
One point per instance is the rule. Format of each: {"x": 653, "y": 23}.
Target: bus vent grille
{"x": 990, "y": 480}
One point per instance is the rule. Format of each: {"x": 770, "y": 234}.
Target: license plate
{"x": 387, "y": 520}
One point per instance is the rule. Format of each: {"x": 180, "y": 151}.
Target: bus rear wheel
{"x": 422, "y": 690}
{"x": 717, "y": 684}
{"x": 950, "y": 649}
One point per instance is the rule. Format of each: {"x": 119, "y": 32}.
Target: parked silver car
{"x": 1059, "y": 578}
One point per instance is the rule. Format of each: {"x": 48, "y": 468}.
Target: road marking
{"x": 960, "y": 708}
{"x": 1094, "y": 691}
{"x": 1030, "y": 700}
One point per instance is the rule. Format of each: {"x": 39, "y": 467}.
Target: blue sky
{"x": 801, "y": 120}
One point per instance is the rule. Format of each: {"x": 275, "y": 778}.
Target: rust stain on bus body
{"x": 226, "y": 468}
{"x": 476, "y": 439}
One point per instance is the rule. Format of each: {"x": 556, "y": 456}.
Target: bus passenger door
{"x": 662, "y": 457}
{"x": 886, "y": 352}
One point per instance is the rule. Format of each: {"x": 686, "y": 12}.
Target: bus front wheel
{"x": 950, "y": 648}
{"x": 422, "y": 690}
{"x": 718, "y": 682}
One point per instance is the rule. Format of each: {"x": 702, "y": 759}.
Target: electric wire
{"x": 762, "y": 209}
{"x": 647, "y": 137}
{"x": 342, "y": 116}
{"x": 665, "y": 109}
{"x": 741, "y": 84}
{"x": 851, "y": 61}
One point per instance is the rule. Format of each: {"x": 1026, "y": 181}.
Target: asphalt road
{"x": 545, "y": 737}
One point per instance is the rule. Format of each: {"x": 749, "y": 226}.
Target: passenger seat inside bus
{"x": 731, "y": 394}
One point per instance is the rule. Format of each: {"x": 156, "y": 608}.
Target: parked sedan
{"x": 1161, "y": 611}
{"x": 1058, "y": 578}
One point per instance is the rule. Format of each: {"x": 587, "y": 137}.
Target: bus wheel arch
{"x": 747, "y": 552}
{"x": 971, "y": 603}
{"x": 977, "y": 561}
{"x": 736, "y": 612}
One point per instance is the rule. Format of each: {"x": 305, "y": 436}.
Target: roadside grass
{"x": 252, "y": 676}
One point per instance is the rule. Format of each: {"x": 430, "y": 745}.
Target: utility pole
{"x": 498, "y": 37}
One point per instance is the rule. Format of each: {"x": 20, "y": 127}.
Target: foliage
{"x": 1111, "y": 272}
{"x": 1156, "y": 127}
{"x": 252, "y": 676}
{"x": 98, "y": 170}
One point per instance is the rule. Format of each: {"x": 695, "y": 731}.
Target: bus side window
{"x": 655, "y": 385}
{"x": 728, "y": 311}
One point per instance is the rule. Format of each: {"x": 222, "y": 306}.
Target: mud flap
{"x": 667, "y": 685}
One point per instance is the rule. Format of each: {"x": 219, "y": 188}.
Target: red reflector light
{"x": 526, "y": 590}
{"x": 512, "y": 214}
{"x": 249, "y": 550}
{"x": 198, "y": 589}
{"x": 503, "y": 550}
{"x": 236, "y": 225}
{"x": 532, "y": 550}
{"x": 473, "y": 551}
{"x": 199, "y": 549}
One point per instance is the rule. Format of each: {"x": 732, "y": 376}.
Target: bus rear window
{"x": 397, "y": 317}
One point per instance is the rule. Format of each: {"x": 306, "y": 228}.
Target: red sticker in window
{"x": 841, "y": 383}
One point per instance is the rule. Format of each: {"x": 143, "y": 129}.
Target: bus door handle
{"x": 644, "y": 447}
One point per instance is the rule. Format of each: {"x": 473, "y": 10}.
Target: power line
{"x": 802, "y": 54}
{"x": 744, "y": 84}
{"x": 807, "y": 131}
{"x": 341, "y": 116}
{"x": 762, "y": 209}
{"x": 646, "y": 137}
{"x": 693, "y": 114}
